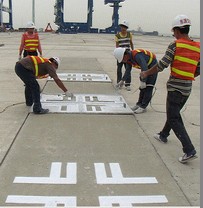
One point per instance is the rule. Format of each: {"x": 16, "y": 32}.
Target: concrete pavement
{"x": 37, "y": 153}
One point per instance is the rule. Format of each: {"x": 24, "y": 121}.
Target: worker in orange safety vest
{"x": 183, "y": 56}
{"x": 30, "y": 42}
{"x": 28, "y": 69}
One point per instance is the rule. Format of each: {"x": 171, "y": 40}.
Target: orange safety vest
{"x": 186, "y": 58}
{"x": 150, "y": 54}
{"x": 38, "y": 60}
{"x": 31, "y": 43}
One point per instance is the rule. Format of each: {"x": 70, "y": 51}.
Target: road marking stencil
{"x": 83, "y": 77}
{"x": 117, "y": 176}
{"x": 71, "y": 178}
{"x": 129, "y": 201}
{"x": 86, "y": 103}
{"x": 48, "y": 201}
{"x": 55, "y": 176}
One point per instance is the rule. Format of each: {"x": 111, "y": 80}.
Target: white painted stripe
{"x": 130, "y": 200}
{"x": 48, "y": 201}
{"x": 71, "y": 173}
{"x": 117, "y": 176}
{"x": 116, "y": 170}
{"x": 55, "y": 176}
{"x": 55, "y": 170}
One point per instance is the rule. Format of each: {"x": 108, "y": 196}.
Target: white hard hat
{"x": 30, "y": 25}
{"x": 119, "y": 53}
{"x": 56, "y": 60}
{"x": 181, "y": 21}
{"x": 124, "y": 23}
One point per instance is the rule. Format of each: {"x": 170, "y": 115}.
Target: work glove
{"x": 69, "y": 94}
{"x": 142, "y": 85}
{"x": 19, "y": 57}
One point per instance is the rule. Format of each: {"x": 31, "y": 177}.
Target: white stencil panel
{"x": 83, "y": 77}
{"x": 86, "y": 103}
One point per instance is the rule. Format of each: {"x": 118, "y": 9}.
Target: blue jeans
{"x": 127, "y": 75}
{"x": 174, "y": 104}
{"x": 145, "y": 95}
{"x": 32, "y": 88}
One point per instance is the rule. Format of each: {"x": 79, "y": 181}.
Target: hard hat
{"x": 119, "y": 53}
{"x": 181, "y": 21}
{"x": 56, "y": 60}
{"x": 124, "y": 23}
{"x": 30, "y": 25}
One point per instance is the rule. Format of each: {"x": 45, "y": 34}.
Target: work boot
{"x": 188, "y": 156}
{"x": 120, "y": 84}
{"x": 160, "y": 138}
{"x": 128, "y": 88}
{"x": 41, "y": 111}
{"x": 134, "y": 108}
{"x": 140, "y": 110}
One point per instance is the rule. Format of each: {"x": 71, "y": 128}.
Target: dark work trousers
{"x": 174, "y": 104}
{"x": 145, "y": 95}
{"x": 31, "y": 86}
{"x": 28, "y": 95}
{"x": 29, "y": 53}
{"x": 127, "y": 75}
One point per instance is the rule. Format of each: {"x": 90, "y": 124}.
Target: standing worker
{"x": 28, "y": 69}
{"x": 183, "y": 55}
{"x": 142, "y": 59}
{"x": 124, "y": 39}
{"x": 30, "y": 43}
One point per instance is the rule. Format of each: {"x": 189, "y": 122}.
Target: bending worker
{"x": 30, "y": 43}
{"x": 32, "y": 67}
{"x": 183, "y": 55}
{"x": 124, "y": 39}
{"x": 142, "y": 59}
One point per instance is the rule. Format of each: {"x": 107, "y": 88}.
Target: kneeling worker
{"x": 32, "y": 67}
{"x": 141, "y": 59}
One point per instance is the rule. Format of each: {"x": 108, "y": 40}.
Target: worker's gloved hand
{"x": 142, "y": 85}
{"x": 19, "y": 57}
{"x": 69, "y": 94}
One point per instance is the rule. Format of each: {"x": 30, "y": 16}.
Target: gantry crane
{"x": 72, "y": 27}
{"x": 6, "y": 25}
{"x": 115, "y": 17}
{"x": 86, "y": 27}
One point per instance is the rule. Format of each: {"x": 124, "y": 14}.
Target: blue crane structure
{"x": 85, "y": 27}
{"x": 9, "y": 24}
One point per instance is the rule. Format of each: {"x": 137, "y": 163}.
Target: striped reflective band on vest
{"x": 31, "y": 45}
{"x": 183, "y": 73}
{"x": 150, "y": 54}
{"x": 124, "y": 42}
{"x": 183, "y": 45}
{"x": 186, "y": 59}
{"x": 37, "y": 60}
